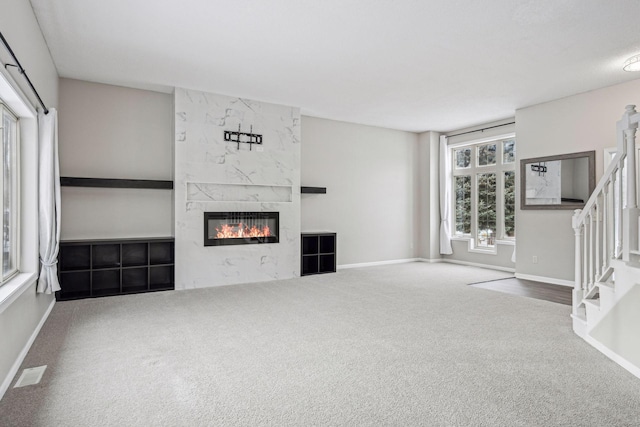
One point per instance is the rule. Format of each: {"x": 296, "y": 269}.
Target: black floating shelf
{"x": 116, "y": 183}
{"x": 313, "y": 190}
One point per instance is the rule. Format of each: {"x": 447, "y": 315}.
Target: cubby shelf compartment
{"x": 68, "y": 181}
{"x": 318, "y": 253}
{"x": 95, "y": 268}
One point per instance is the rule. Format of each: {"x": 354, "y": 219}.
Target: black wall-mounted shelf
{"x": 313, "y": 190}
{"x": 116, "y": 183}
{"x": 67, "y": 181}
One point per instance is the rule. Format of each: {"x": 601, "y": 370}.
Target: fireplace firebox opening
{"x": 241, "y": 228}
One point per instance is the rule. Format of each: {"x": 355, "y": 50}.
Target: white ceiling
{"x": 404, "y": 64}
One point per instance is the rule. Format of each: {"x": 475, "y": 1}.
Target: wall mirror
{"x": 557, "y": 182}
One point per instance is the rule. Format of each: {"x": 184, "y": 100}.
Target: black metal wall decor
{"x": 243, "y": 137}
{"x": 540, "y": 168}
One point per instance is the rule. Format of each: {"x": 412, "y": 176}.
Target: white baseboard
{"x": 16, "y": 365}
{"x": 579, "y": 325}
{"x": 431, "y": 261}
{"x": 633, "y": 369}
{"x": 475, "y": 264}
{"x": 543, "y": 279}
{"x": 376, "y": 263}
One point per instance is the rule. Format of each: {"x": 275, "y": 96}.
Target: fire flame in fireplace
{"x": 228, "y": 231}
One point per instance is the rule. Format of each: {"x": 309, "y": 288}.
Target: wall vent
{"x": 30, "y": 376}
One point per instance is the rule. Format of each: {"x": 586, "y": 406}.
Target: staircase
{"x": 606, "y": 295}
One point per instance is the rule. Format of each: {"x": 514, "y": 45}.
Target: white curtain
{"x": 48, "y": 201}
{"x": 445, "y": 198}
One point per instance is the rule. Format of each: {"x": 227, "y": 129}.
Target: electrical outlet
{"x": 535, "y": 259}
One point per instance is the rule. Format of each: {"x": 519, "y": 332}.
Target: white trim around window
{"x": 27, "y": 229}
{"x": 10, "y": 190}
{"x": 480, "y": 171}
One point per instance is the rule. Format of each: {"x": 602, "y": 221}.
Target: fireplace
{"x": 240, "y": 228}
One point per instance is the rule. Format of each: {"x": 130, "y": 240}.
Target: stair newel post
{"x": 578, "y": 292}
{"x": 631, "y": 212}
{"x": 632, "y": 198}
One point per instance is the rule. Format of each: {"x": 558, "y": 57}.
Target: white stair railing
{"x": 608, "y": 226}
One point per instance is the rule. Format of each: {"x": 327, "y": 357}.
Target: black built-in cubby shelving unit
{"x": 318, "y": 253}
{"x": 94, "y": 268}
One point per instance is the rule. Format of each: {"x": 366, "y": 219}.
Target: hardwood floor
{"x": 529, "y": 288}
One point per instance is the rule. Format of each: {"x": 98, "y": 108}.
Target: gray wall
{"x": 114, "y": 132}
{"x": 581, "y": 122}
{"x": 20, "y": 28}
{"x": 428, "y": 196}
{"x": 371, "y": 175}
{"x": 501, "y": 259}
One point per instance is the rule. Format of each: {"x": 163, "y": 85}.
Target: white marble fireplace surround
{"x": 212, "y": 192}
{"x": 212, "y": 175}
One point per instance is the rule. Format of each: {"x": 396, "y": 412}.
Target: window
{"x": 463, "y": 204}
{"x": 510, "y": 204}
{"x": 484, "y": 192}
{"x": 9, "y": 201}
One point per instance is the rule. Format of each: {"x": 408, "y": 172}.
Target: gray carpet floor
{"x": 401, "y": 345}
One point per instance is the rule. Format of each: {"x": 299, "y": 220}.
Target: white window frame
{"x": 473, "y": 170}
{"x": 28, "y": 257}
{"x": 15, "y": 214}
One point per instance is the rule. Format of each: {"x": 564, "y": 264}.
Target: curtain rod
{"x": 22, "y": 71}
{"x": 482, "y": 130}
